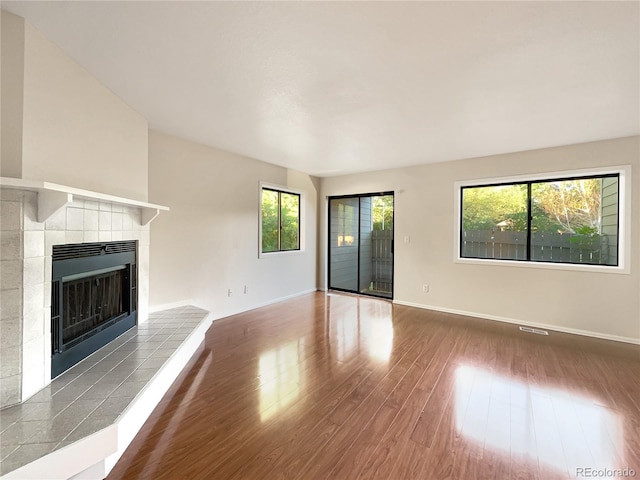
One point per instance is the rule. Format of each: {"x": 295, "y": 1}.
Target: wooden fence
{"x": 547, "y": 247}
{"x": 382, "y": 259}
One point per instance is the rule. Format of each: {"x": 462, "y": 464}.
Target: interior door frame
{"x": 393, "y": 252}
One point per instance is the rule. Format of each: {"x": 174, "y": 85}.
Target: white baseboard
{"x": 264, "y": 304}
{"x": 557, "y": 328}
{"x": 288, "y": 297}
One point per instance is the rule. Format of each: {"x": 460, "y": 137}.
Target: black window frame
{"x": 529, "y": 182}
{"x": 280, "y": 191}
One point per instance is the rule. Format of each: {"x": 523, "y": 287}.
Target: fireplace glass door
{"x": 92, "y": 301}
{"x": 93, "y": 298}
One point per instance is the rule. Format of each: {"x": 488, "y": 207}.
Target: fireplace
{"x": 93, "y": 298}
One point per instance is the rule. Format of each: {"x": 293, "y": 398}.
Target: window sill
{"x": 543, "y": 265}
{"x": 280, "y": 254}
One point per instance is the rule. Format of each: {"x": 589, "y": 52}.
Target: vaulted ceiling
{"x": 338, "y": 87}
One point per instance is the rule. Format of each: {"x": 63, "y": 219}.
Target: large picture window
{"x": 564, "y": 220}
{"x": 280, "y": 221}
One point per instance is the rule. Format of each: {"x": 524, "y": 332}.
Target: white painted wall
{"x": 602, "y": 304}
{"x": 208, "y": 242}
{"x": 11, "y": 76}
{"x": 75, "y": 131}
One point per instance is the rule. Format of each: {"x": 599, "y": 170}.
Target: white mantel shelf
{"x": 53, "y": 197}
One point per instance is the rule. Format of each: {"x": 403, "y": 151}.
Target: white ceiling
{"x": 338, "y": 87}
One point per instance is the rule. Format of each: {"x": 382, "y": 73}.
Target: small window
{"x": 280, "y": 230}
{"x": 565, "y": 220}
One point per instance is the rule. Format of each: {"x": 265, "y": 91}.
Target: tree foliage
{"x": 503, "y": 207}
{"x": 570, "y": 204}
{"x": 269, "y": 221}
{"x": 290, "y": 221}
{"x": 382, "y": 210}
{"x": 564, "y": 206}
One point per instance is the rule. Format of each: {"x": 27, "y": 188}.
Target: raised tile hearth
{"x": 83, "y": 421}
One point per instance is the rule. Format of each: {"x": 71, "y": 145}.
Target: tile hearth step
{"x": 87, "y": 417}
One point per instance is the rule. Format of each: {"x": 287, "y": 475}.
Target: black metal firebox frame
{"x": 86, "y": 260}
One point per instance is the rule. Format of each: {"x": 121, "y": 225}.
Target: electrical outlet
{"x": 425, "y": 288}
{"x": 246, "y": 289}
{"x": 229, "y": 293}
{"x": 407, "y": 239}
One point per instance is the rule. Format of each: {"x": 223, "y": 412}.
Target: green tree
{"x": 567, "y": 205}
{"x": 290, "y": 218}
{"x": 502, "y": 206}
{"x": 383, "y": 212}
{"x": 564, "y": 206}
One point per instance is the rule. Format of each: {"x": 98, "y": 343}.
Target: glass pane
{"x": 376, "y": 243}
{"x": 494, "y": 222}
{"x": 382, "y": 212}
{"x": 90, "y": 302}
{"x": 290, "y": 214}
{"x": 343, "y": 253}
{"x": 269, "y": 221}
{"x": 575, "y": 221}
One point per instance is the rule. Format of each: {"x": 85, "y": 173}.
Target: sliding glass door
{"x": 361, "y": 244}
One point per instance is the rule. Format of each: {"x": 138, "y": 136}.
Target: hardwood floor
{"x": 342, "y": 387}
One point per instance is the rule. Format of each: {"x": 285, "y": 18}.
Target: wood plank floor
{"x": 344, "y": 387}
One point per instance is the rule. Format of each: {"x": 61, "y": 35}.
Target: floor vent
{"x": 534, "y": 330}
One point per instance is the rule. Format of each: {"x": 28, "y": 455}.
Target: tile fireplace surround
{"x": 25, "y": 272}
